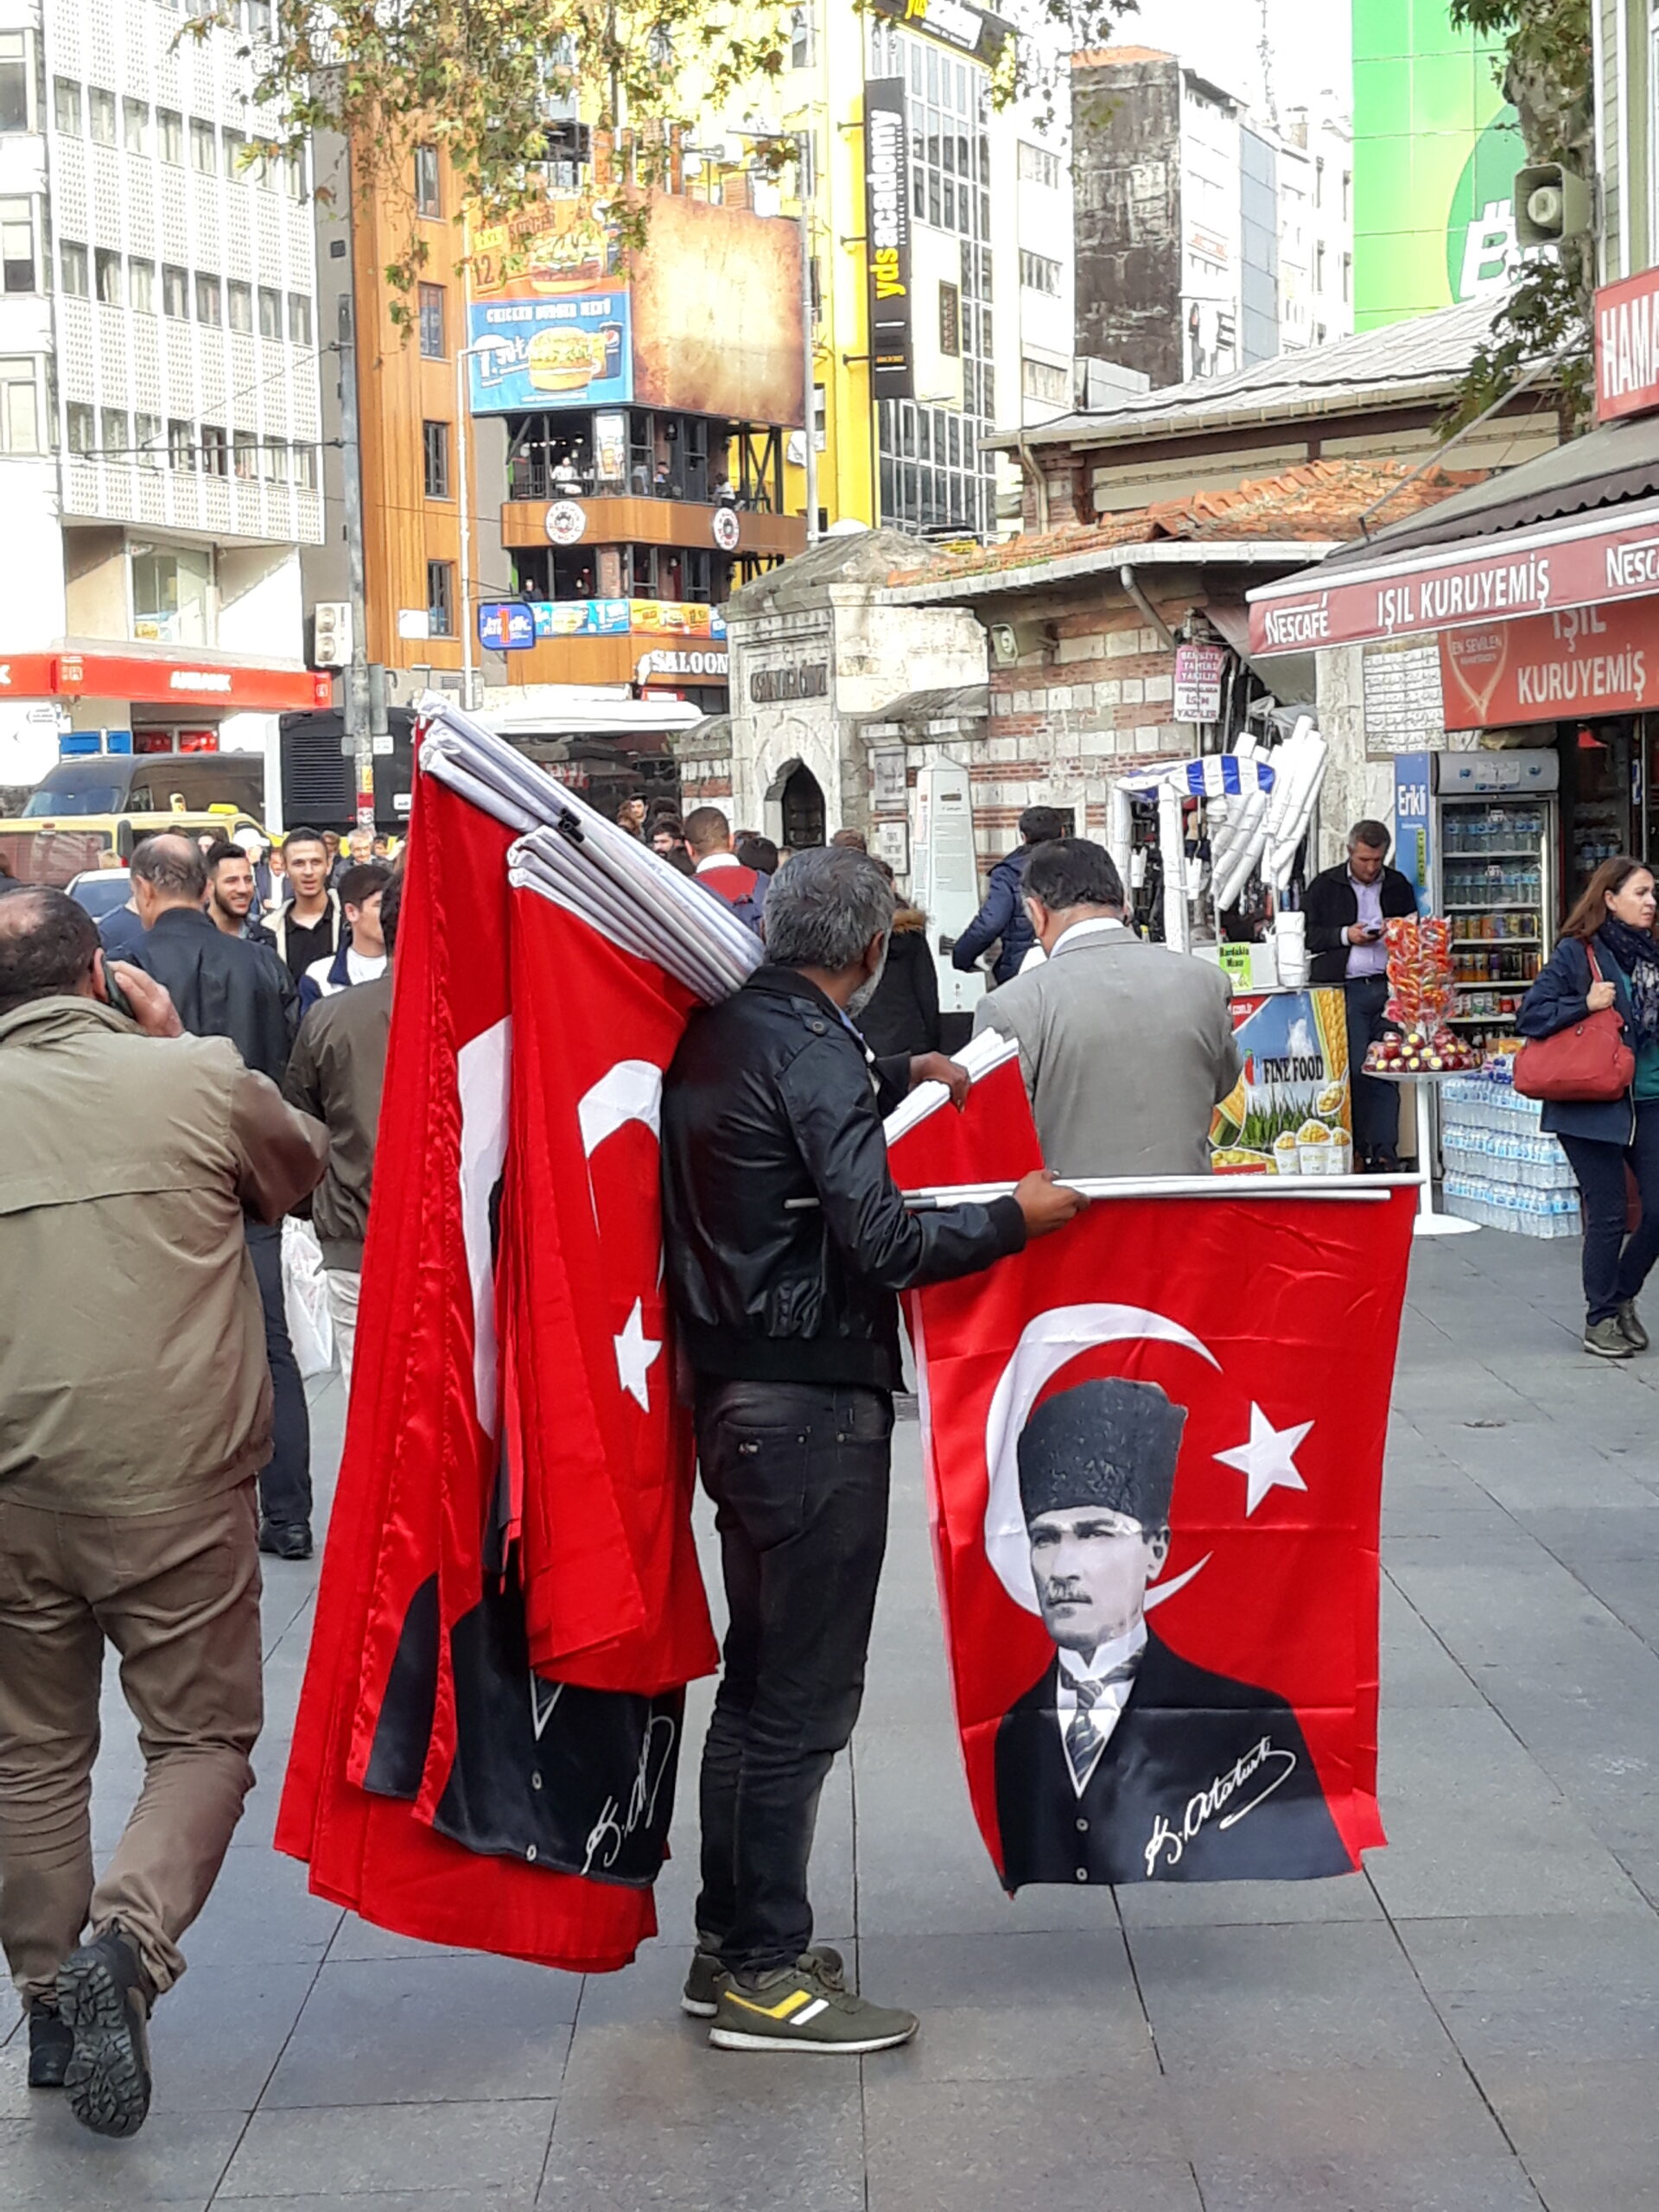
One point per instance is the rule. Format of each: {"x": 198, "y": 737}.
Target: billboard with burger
{"x": 705, "y": 318}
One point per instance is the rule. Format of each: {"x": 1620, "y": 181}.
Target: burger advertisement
{"x": 705, "y": 316}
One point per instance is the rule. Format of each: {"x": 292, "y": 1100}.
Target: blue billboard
{"x": 566, "y": 350}
{"x": 506, "y": 626}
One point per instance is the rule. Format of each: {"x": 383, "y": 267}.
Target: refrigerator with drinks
{"x": 1494, "y": 851}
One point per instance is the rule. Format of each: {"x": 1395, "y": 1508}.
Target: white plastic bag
{"x": 305, "y": 1300}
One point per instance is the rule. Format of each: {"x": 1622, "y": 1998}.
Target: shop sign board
{"x": 1289, "y": 1112}
{"x": 889, "y": 786}
{"x": 1586, "y": 563}
{"x": 1414, "y": 816}
{"x": 1198, "y": 671}
{"x": 134, "y": 675}
{"x": 1627, "y": 347}
{"x": 887, "y": 229}
{"x": 973, "y": 30}
{"x": 506, "y": 626}
{"x": 1589, "y": 660}
{"x": 616, "y": 618}
{"x": 704, "y": 666}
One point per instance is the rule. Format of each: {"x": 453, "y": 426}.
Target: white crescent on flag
{"x": 1046, "y": 1346}
{"x": 630, "y": 1090}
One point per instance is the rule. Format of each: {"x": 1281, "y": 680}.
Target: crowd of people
{"x": 211, "y": 1062}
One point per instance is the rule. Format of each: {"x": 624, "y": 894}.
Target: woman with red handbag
{"x": 1601, "y": 1100}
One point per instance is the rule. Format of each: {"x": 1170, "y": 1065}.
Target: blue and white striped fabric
{"x": 1216, "y": 775}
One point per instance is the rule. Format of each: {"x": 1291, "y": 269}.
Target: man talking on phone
{"x": 134, "y": 1415}
{"x": 1347, "y": 909}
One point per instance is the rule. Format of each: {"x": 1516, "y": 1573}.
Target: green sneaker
{"x": 807, "y": 2007}
{"x": 1607, "y": 1340}
{"x": 700, "y": 1997}
{"x": 1629, "y": 1323}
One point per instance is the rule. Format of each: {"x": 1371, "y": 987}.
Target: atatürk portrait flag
{"x": 1154, "y": 1449}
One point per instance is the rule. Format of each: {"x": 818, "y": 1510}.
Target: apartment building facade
{"x": 159, "y": 418}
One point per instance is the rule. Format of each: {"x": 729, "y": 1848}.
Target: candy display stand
{"x": 1425, "y": 1086}
{"x": 1423, "y": 1053}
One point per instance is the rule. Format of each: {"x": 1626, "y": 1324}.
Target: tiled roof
{"x": 1377, "y": 366}
{"x": 1320, "y": 503}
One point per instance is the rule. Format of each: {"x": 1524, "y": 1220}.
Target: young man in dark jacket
{"x": 1345, "y": 911}
{"x": 1003, "y": 915}
{"x": 787, "y": 1244}
{"x": 225, "y": 987}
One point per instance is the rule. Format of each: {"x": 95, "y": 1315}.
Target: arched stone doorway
{"x": 803, "y": 809}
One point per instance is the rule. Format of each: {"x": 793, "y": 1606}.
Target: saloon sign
{"x": 1585, "y": 563}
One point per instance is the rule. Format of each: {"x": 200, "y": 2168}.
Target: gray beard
{"x": 866, "y": 992}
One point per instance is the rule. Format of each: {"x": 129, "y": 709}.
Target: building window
{"x": 147, "y": 437}
{"x": 204, "y": 147}
{"x": 236, "y": 146}
{"x": 19, "y": 425}
{"x": 1042, "y": 380}
{"x": 271, "y": 314}
{"x": 806, "y": 154}
{"x": 293, "y": 175}
{"x": 1039, "y": 274}
{"x": 257, "y": 16}
{"x": 215, "y": 451}
{"x": 1347, "y": 194}
{"x": 175, "y": 293}
{"x": 441, "y": 598}
{"x": 169, "y": 130}
{"x": 951, "y": 321}
{"x": 1347, "y": 275}
{"x": 244, "y": 455}
{"x": 428, "y": 200}
{"x": 800, "y": 38}
{"x": 17, "y": 246}
{"x": 72, "y": 269}
{"x": 65, "y": 107}
{"x": 299, "y": 318}
{"x": 431, "y": 318}
{"x": 100, "y": 116}
{"x": 141, "y": 287}
{"x": 135, "y": 126}
{"x": 107, "y": 270}
{"x": 305, "y": 468}
{"x": 15, "y": 77}
{"x": 1319, "y": 265}
{"x": 112, "y": 433}
{"x": 172, "y": 593}
{"x": 275, "y": 460}
{"x": 1039, "y": 166}
{"x": 238, "y": 307}
{"x": 78, "y": 418}
{"x": 181, "y": 446}
{"x": 1318, "y": 181}
{"x": 436, "y": 440}
{"x": 209, "y": 301}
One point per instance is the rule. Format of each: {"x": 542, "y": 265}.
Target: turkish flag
{"x": 613, "y": 1591}
{"x": 1199, "y": 1704}
{"x": 440, "y": 1783}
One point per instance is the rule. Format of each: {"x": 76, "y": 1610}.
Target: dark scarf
{"x": 1637, "y": 954}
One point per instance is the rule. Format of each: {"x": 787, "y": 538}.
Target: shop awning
{"x": 1578, "y": 526}
{"x": 209, "y": 680}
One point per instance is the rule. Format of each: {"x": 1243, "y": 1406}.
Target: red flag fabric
{"x": 614, "y": 1594}
{"x": 426, "y": 1733}
{"x": 992, "y": 1139}
{"x": 1200, "y": 1705}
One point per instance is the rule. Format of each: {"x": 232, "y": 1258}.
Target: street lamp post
{"x": 463, "y": 508}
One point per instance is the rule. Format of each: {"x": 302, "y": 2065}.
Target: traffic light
{"x": 1552, "y": 204}
{"x": 332, "y": 643}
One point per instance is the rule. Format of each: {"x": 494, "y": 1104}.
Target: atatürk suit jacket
{"x": 1203, "y": 1779}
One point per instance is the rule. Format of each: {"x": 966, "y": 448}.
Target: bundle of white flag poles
{"x": 570, "y": 854}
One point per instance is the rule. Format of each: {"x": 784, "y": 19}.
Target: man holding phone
{"x": 1347, "y": 910}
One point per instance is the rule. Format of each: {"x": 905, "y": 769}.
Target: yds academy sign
{"x": 887, "y": 226}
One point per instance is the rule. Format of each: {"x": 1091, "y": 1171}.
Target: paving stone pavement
{"x": 1471, "y": 2025}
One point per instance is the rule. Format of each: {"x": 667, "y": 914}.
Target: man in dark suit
{"x": 1125, "y": 1762}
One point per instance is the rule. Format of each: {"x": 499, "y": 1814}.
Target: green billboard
{"x": 1435, "y": 151}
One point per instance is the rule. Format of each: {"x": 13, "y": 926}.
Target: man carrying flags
{"x": 786, "y": 1242}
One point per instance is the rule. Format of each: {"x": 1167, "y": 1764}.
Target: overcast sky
{"x": 1311, "y": 48}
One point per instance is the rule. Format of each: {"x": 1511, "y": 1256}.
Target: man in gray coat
{"x": 1125, "y": 1047}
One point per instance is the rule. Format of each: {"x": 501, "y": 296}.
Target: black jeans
{"x": 285, "y": 1479}
{"x": 1376, "y": 1105}
{"x": 799, "y": 1473}
{"x": 1616, "y": 1267}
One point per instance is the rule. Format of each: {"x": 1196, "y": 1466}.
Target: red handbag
{"x": 1588, "y": 1063}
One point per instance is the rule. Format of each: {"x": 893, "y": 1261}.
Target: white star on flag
{"x": 1268, "y": 1460}
{"x": 635, "y": 1353}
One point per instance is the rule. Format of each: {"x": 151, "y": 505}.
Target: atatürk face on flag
{"x": 1124, "y": 1761}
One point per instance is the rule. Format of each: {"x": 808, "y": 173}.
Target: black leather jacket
{"x": 770, "y": 1097}
{"x": 225, "y": 987}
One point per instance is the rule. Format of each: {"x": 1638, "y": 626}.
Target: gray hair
{"x": 823, "y": 907}
{"x": 173, "y": 865}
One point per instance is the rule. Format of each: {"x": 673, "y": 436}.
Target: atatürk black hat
{"x": 1111, "y": 1443}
